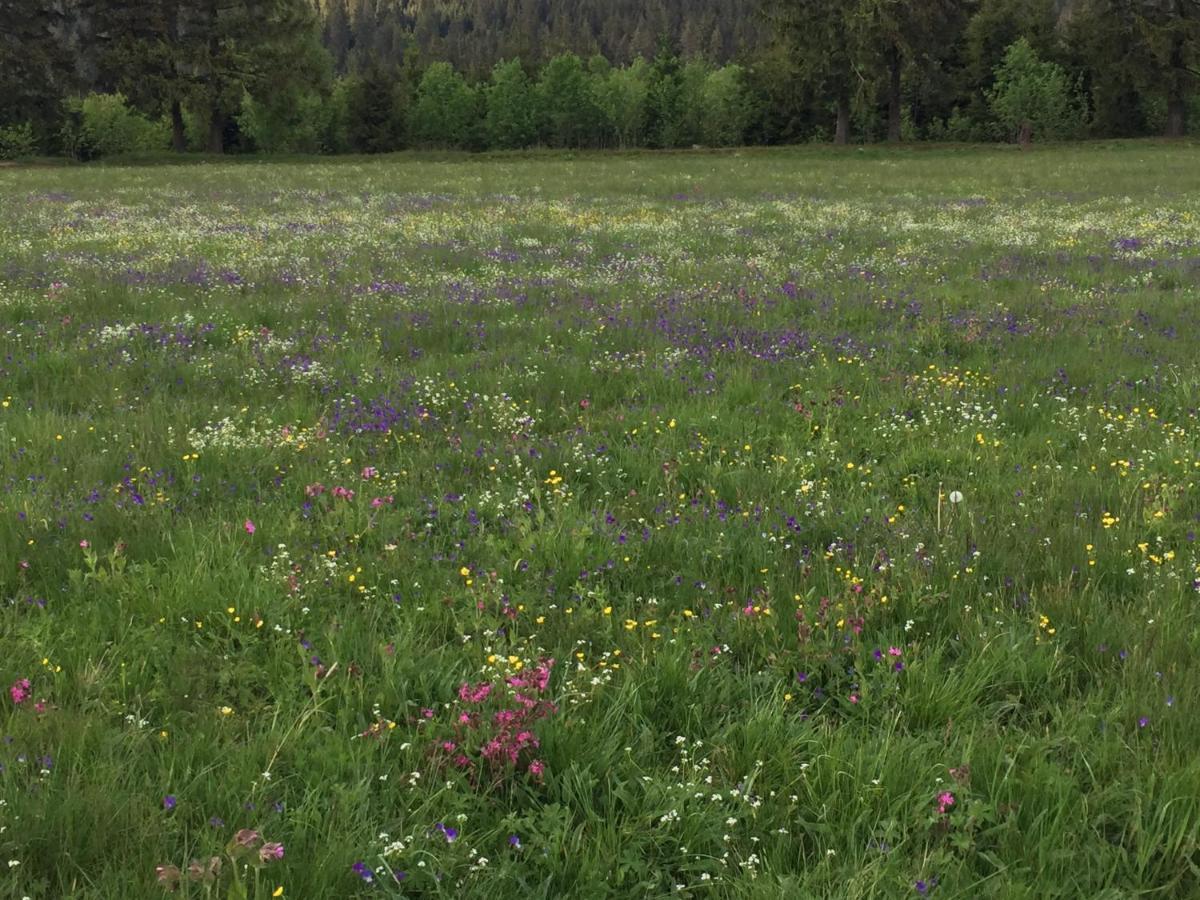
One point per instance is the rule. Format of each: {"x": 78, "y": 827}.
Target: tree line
{"x": 91, "y": 78}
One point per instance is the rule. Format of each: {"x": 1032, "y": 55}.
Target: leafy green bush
{"x": 570, "y": 117}
{"x": 104, "y": 125}
{"x": 729, "y": 107}
{"x": 1032, "y": 96}
{"x": 288, "y": 123}
{"x": 446, "y": 111}
{"x": 622, "y": 96}
{"x": 17, "y": 141}
{"x": 511, "y": 119}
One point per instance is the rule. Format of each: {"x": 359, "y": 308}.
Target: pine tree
{"x": 231, "y": 47}
{"x": 35, "y": 67}
{"x": 337, "y": 35}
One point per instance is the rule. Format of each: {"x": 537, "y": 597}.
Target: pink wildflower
{"x": 20, "y": 691}
{"x": 476, "y": 694}
{"x": 249, "y": 526}
{"x": 945, "y": 800}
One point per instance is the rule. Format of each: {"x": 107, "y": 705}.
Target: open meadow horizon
{"x": 797, "y": 522}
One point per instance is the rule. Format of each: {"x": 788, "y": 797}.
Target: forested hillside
{"x": 475, "y": 34}
{"x": 105, "y": 77}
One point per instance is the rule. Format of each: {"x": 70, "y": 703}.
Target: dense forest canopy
{"x": 111, "y": 76}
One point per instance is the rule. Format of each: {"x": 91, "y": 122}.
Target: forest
{"x": 110, "y": 78}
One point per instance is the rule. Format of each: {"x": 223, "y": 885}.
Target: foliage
{"x": 728, "y": 107}
{"x": 1032, "y": 94}
{"x": 512, "y": 107}
{"x": 375, "y": 103}
{"x": 566, "y": 103}
{"x": 622, "y": 97}
{"x": 258, "y": 75}
{"x": 17, "y": 141}
{"x": 104, "y": 125}
{"x": 445, "y": 112}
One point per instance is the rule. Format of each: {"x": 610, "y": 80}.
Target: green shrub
{"x": 288, "y": 123}
{"x": 446, "y": 111}
{"x": 1032, "y": 96}
{"x": 104, "y": 125}
{"x": 17, "y": 141}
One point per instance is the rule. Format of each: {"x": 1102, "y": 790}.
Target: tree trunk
{"x": 178, "y": 136}
{"x": 1176, "y": 115}
{"x": 1176, "y": 92}
{"x": 216, "y": 132}
{"x": 894, "y": 64}
{"x": 842, "y": 133}
{"x": 1025, "y": 135}
{"x": 216, "y": 119}
{"x": 170, "y": 9}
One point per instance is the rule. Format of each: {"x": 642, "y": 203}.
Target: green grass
{"x": 693, "y": 426}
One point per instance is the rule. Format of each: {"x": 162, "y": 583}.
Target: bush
{"x": 293, "y": 123}
{"x": 17, "y": 141}
{"x": 104, "y": 125}
{"x": 570, "y": 117}
{"x": 511, "y": 120}
{"x": 623, "y": 96}
{"x": 1035, "y": 97}
{"x": 729, "y": 107}
{"x": 446, "y": 111}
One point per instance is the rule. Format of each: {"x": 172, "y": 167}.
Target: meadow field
{"x": 773, "y": 524}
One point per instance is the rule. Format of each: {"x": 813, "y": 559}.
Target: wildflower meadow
{"x": 765, "y": 524}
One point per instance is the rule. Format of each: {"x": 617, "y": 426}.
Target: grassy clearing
{"x": 783, "y": 523}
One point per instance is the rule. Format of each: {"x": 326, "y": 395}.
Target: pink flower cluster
{"x": 945, "y": 800}
{"x": 494, "y": 727}
{"x": 20, "y": 691}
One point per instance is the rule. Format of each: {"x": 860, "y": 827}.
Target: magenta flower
{"x": 249, "y": 526}
{"x": 945, "y": 800}
{"x": 20, "y": 691}
{"x": 476, "y": 694}
{"x": 271, "y": 851}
